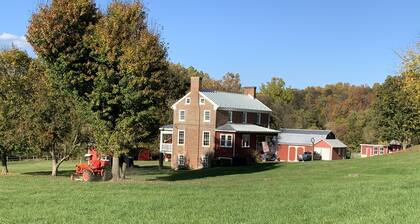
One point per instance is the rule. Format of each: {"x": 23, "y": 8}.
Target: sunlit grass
{"x": 374, "y": 190}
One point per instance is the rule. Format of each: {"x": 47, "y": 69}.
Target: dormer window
{"x": 202, "y": 101}
{"x": 230, "y": 116}
{"x": 244, "y": 117}
{"x": 188, "y": 100}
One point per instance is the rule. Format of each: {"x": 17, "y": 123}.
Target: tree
{"x": 231, "y": 82}
{"x": 398, "y": 117}
{"x": 275, "y": 95}
{"x": 411, "y": 74}
{"x": 58, "y": 121}
{"x": 14, "y": 92}
{"x": 130, "y": 81}
{"x": 57, "y": 32}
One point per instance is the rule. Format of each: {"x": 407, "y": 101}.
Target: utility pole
{"x": 313, "y": 148}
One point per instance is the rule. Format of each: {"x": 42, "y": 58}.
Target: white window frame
{"x": 244, "y": 117}
{"x": 179, "y": 131}
{"x": 202, "y": 101}
{"x": 226, "y": 140}
{"x": 204, "y": 116}
{"x": 203, "y": 141}
{"x": 249, "y": 141}
{"x": 179, "y": 115}
{"x": 230, "y": 114}
{"x": 259, "y": 118}
{"x": 188, "y": 100}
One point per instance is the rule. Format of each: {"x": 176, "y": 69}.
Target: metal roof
{"x": 335, "y": 143}
{"x": 245, "y": 128}
{"x": 167, "y": 127}
{"x": 301, "y": 136}
{"x": 235, "y": 101}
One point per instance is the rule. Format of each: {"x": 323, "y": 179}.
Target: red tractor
{"x": 95, "y": 167}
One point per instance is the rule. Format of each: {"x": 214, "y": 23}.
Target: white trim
{"x": 180, "y": 100}
{"x": 245, "y": 117}
{"x": 204, "y": 116}
{"x": 202, "y": 141}
{"x": 215, "y": 106}
{"x": 177, "y": 141}
{"x": 225, "y": 145}
{"x": 179, "y": 115}
{"x": 259, "y": 118}
{"x": 249, "y": 141}
{"x": 202, "y": 99}
{"x": 188, "y": 101}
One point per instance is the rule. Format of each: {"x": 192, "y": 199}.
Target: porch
{"x": 244, "y": 141}
{"x": 165, "y": 144}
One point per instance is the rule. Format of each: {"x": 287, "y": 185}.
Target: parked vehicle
{"x": 307, "y": 156}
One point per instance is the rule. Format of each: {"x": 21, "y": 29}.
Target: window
{"x": 188, "y": 100}
{"x": 182, "y": 115}
{"x": 244, "y": 117}
{"x": 230, "y": 116}
{"x": 206, "y": 138}
{"x": 258, "y": 118}
{"x": 202, "y": 101}
{"x": 181, "y": 160}
{"x": 181, "y": 137}
{"x": 381, "y": 150}
{"x": 375, "y": 151}
{"x": 245, "y": 141}
{"x": 226, "y": 140}
{"x": 206, "y": 115}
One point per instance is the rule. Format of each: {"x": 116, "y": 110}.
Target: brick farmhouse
{"x": 211, "y": 125}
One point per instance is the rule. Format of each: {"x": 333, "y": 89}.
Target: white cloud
{"x": 7, "y": 39}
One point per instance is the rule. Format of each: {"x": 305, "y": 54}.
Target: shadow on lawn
{"x": 62, "y": 173}
{"x": 217, "y": 171}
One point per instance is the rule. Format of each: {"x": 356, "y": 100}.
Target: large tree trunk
{"x": 4, "y": 169}
{"x": 54, "y": 167}
{"x": 115, "y": 167}
{"x": 56, "y": 162}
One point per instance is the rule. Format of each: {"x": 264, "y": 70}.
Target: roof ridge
{"x": 300, "y": 129}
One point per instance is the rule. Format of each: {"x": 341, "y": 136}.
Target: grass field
{"x": 376, "y": 190}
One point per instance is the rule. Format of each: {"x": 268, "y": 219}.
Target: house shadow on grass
{"x": 217, "y": 171}
{"x": 62, "y": 173}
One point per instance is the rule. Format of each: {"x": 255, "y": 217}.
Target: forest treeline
{"x": 103, "y": 78}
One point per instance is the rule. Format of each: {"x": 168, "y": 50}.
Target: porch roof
{"x": 167, "y": 127}
{"x": 245, "y": 128}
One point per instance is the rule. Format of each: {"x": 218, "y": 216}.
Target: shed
{"x": 294, "y": 142}
{"x": 331, "y": 149}
{"x": 368, "y": 150}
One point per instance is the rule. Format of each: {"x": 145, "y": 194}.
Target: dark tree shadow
{"x": 217, "y": 171}
{"x": 48, "y": 173}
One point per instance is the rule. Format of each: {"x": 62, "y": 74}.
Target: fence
{"x": 20, "y": 158}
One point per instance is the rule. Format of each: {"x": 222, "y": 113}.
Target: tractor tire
{"x": 107, "y": 175}
{"x": 87, "y": 176}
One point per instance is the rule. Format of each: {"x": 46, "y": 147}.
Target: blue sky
{"x": 306, "y": 43}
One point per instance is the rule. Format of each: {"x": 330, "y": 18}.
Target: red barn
{"x": 294, "y": 142}
{"x": 368, "y": 150}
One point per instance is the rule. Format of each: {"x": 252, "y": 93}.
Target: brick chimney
{"x": 251, "y": 90}
{"x": 195, "y": 84}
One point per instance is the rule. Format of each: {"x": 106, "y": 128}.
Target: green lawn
{"x": 376, "y": 190}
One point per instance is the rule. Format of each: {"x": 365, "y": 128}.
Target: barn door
{"x": 324, "y": 152}
{"x": 292, "y": 154}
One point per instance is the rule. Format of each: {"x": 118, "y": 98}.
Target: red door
{"x": 292, "y": 154}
